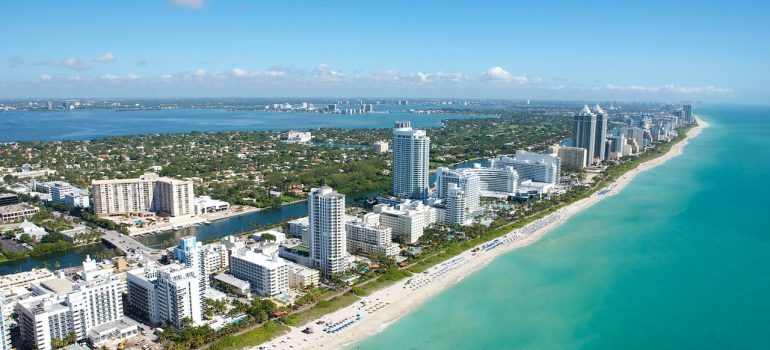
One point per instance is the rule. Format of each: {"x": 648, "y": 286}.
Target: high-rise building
{"x": 148, "y": 193}
{"x": 468, "y": 182}
{"x": 63, "y": 307}
{"x": 5, "y": 333}
{"x": 267, "y": 275}
{"x": 367, "y": 236}
{"x": 411, "y": 155}
{"x": 532, "y": 166}
{"x": 457, "y": 206}
{"x": 687, "y": 108}
{"x": 328, "y": 243}
{"x": 584, "y": 131}
{"x": 406, "y": 220}
{"x": 601, "y": 133}
{"x": 169, "y": 293}
{"x": 573, "y": 157}
{"x": 190, "y": 253}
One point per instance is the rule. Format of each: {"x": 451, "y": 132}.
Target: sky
{"x": 714, "y": 51}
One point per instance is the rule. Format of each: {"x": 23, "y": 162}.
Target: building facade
{"x": 584, "y": 131}
{"x": 328, "y": 244}
{"x": 532, "y": 166}
{"x": 601, "y": 134}
{"x": 166, "y": 294}
{"x": 367, "y": 236}
{"x": 407, "y": 220}
{"x": 148, "y": 193}
{"x": 411, "y": 155}
{"x": 573, "y": 158}
{"x": 267, "y": 275}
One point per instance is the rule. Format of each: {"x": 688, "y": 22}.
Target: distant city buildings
{"x": 328, "y": 242}
{"x": 149, "y": 193}
{"x": 381, "y": 147}
{"x": 411, "y": 156}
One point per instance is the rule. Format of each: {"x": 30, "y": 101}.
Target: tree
{"x": 268, "y": 237}
{"x": 26, "y": 238}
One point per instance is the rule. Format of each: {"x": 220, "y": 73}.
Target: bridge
{"x": 127, "y": 244}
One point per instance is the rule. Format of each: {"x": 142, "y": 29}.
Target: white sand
{"x": 400, "y": 299}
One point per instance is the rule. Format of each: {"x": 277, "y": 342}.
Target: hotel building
{"x": 411, "y": 151}
{"x": 148, "y": 193}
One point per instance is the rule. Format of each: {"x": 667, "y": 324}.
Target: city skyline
{"x": 596, "y": 51}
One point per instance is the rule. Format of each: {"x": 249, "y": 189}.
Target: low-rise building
{"x": 229, "y": 282}
{"x": 268, "y": 275}
{"x": 205, "y": 204}
{"x": 303, "y": 276}
{"x": 298, "y": 136}
{"x": 18, "y": 211}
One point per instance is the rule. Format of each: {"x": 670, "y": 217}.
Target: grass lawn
{"x": 322, "y": 308}
{"x": 255, "y": 337}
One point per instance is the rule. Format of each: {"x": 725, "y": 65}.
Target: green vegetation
{"x": 321, "y": 308}
{"x": 253, "y": 337}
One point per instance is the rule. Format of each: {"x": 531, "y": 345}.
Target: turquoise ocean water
{"x": 680, "y": 259}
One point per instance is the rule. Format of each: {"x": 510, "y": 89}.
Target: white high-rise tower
{"x": 411, "y": 153}
{"x": 328, "y": 245}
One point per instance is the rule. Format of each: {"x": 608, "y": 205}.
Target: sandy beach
{"x": 383, "y": 307}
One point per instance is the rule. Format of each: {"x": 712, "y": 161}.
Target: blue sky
{"x": 582, "y": 50}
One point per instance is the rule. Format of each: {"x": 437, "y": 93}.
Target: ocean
{"x": 680, "y": 259}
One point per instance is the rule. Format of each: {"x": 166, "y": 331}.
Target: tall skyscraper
{"x": 328, "y": 245}
{"x": 601, "y": 133}
{"x": 687, "y": 113}
{"x": 411, "y": 153}
{"x": 584, "y": 132}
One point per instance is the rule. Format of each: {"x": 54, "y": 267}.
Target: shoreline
{"x": 386, "y": 306}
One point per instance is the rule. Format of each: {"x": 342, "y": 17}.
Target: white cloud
{"x": 498, "y": 73}
{"x": 74, "y": 64}
{"x": 45, "y": 77}
{"x": 190, "y": 4}
{"x": 238, "y": 72}
{"x": 106, "y": 58}
{"x": 200, "y": 72}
